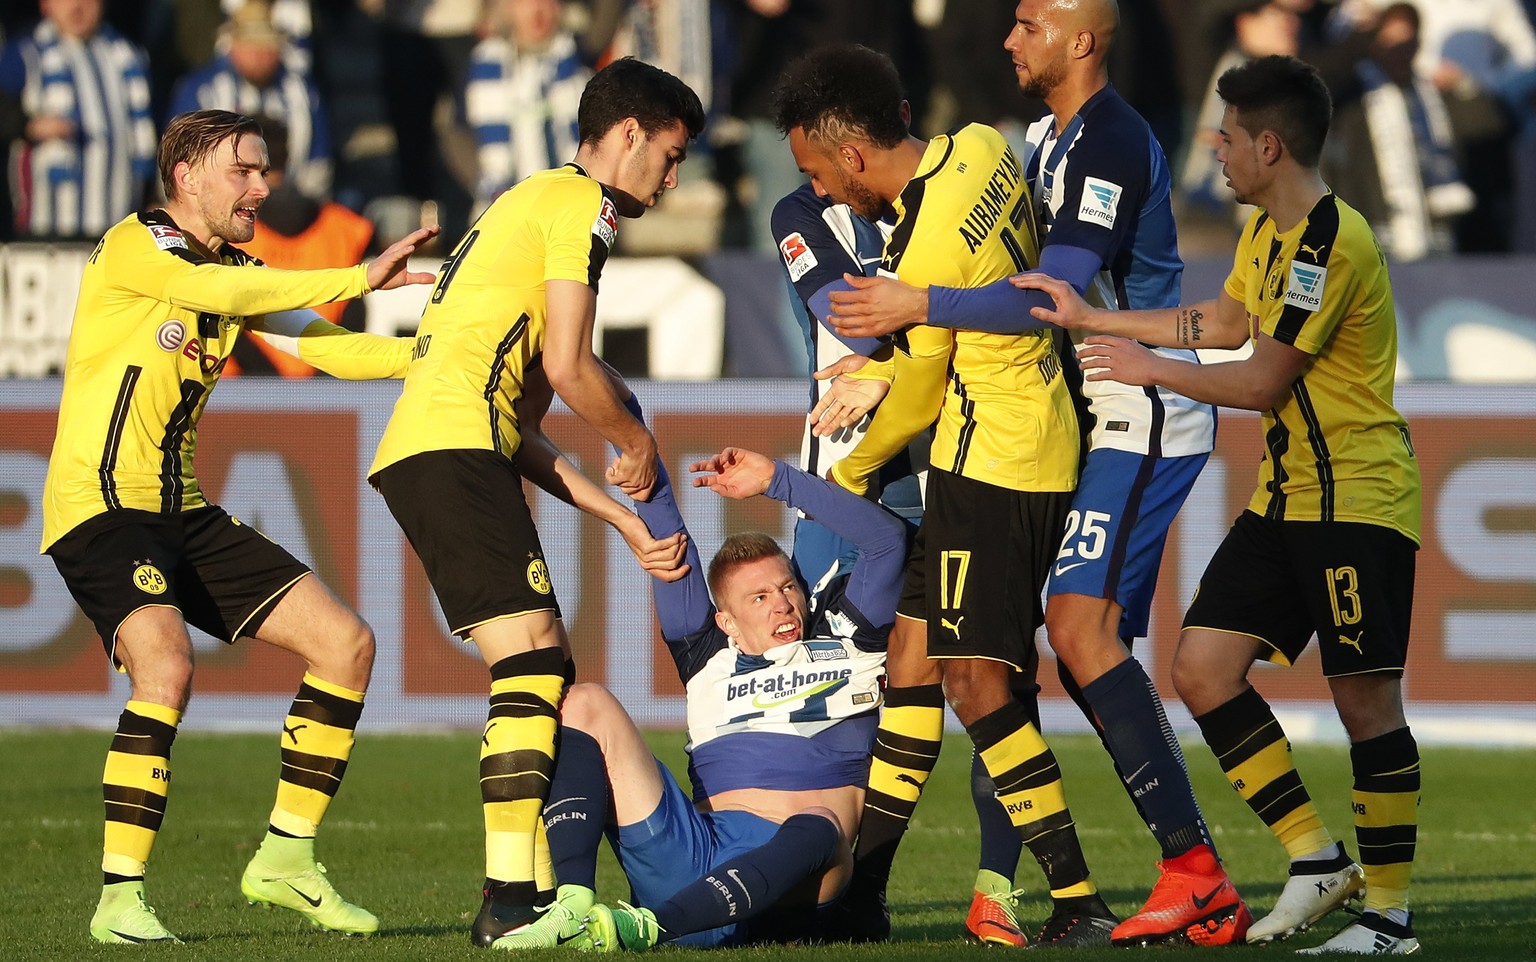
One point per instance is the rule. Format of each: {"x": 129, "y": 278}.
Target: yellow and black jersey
{"x": 1336, "y": 449}
{"x": 1005, "y": 415}
{"x": 154, "y": 323}
{"x": 484, "y": 323}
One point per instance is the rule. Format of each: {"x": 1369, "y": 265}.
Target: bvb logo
{"x": 149, "y": 579}
{"x": 538, "y": 576}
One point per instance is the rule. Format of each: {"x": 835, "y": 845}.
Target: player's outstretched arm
{"x": 352, "y": 355}
{"x": 539, "y": 461}
{"x": 875, "y": 582}
{"x": 134, "y": 262}
{"x": 1256, "y": 383}
{"x": 579, "y": 378}
{"x": 1218, "y": 323}
{"x": 388, "y": 270}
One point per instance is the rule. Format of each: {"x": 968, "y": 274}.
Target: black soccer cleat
{"x": 497, "y": 919}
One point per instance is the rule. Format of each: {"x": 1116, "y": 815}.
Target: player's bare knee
{"x": 164, "y": 681}
{"x": 590, "y": 708}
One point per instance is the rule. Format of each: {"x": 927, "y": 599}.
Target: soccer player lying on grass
{"x": 783, "y": 701}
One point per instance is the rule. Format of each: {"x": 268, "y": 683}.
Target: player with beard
{"x": 1002, "y": 466}
{"x": 1101, "y": 190}
{"x": 162, "y": 300}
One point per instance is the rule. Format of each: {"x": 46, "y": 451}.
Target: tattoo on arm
{"x": 1187, "y": 326}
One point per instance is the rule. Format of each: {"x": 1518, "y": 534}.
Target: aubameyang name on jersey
{"x": 779, "y": 684}
{"x": 994, "y": 198}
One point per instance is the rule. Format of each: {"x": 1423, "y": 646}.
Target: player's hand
{"x": 634, "y": 472}
{"x": 388, "y": 269}
{"x": 1072, "y": 312}
{"x": 1105, "y": 358}
{"x": 877, "y": 305}
{"x": 659, "y": 557}
{"x": 846, "y": 402}
{"x": 734, "y": 473}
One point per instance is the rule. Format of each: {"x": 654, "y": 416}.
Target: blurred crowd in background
{"x": 385, "y": 114}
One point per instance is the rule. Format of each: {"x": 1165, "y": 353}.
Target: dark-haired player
{"x": 162, "y": 300}
{"x": 1003, "y": 461}
{"x": 1327, "y": 543}
{"x": 519, "y": 291}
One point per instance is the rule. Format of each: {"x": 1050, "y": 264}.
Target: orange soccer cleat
{"x": 1193, "y": 901}
{"x": 993, "y": 920}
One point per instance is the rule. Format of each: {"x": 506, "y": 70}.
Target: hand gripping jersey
{"x": 1005, "y": 415}
{"x": 1335, "y": 449}
{"x": 1103, "y": 186}
{"x": 154, "y": 324}
{"x": 485, "y": 319}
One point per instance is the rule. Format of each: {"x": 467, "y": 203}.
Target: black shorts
{"x": 1282, "y": 581}
{"x": 223, "y": 576}
{"x": 979, "y": 565}
{"x": 465, "y": 514}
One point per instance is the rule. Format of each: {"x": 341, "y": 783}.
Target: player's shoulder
{"x": 799, "y": 208}
{"x": 569, "y": 184}
{"x": 1112, "y": 132}
{"x": 147, "y": 234}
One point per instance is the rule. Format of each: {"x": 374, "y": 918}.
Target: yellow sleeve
{"x": 134, "y": 263}
{"x": 351, "y": 355}
{"x": 581, "y": 225}
{"x": 876, "y": 370}
{"x": 917, "y": 393}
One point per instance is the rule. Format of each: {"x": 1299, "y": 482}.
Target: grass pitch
{"x": 404, "y": 840}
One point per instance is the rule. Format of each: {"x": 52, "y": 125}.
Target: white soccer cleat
{"x": 1305, "y": 899}
{"x": 1371, "y": 935}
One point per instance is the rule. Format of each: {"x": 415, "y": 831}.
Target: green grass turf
{"x": 404, "y": 840}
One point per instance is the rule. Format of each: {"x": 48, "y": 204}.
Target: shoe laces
{"x": 1007, "y": 903}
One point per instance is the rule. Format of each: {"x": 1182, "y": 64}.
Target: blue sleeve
{"x": 874, "y": 584}
{"x": 1001, "y": 308}
{"x": 184, "y": 99}
{"x": 683, "y": 607}
{"x": 13, "y": 69}
{"x": 820, "y": 305}
{"x": 320, "y": 123}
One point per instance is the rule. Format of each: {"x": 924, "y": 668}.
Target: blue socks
{"x": 577, "y": 810}
{"x": 1147, "y": 756}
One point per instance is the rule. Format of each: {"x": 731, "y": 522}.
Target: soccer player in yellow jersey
{"x": 162, "y": 300}
{"x": 1004, "y": 454}
{"x": 1327, "y": 543}
{"x": 518, "y": 295}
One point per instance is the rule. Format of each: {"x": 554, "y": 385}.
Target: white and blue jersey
{"x": 818, "y": 242}
{"x": 802, "y": 715}
{"x": 798, "y": 717}
{"x": 1103, "y": 187}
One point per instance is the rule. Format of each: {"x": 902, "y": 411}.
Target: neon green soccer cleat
{"x": 123, "y": 918}
{"x": 623, "y": 928}
{"x": 560, "y": 924}
{"x": 308, "y": 892}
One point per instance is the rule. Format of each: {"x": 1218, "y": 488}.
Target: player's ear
{"x": 1271, "y": 147}
{"x": 185, "y": 178}
{"x": 852, "y": 157}
{"x": 725, "y": 623}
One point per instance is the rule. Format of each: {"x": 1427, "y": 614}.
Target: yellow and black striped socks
{"x": 1029, "y": 786}
{"x": 1252, "y": 749}
{"x": 1386, "y": 805}
{"x": 316, "y": 743}
{"x": 134, "y": 786}
{"x": 517, "y": 760}
{"x": 906, "y": 749}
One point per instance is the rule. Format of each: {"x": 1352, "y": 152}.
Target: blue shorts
{"x": 677, "y": 844}
{"x": 1117, "y": 529}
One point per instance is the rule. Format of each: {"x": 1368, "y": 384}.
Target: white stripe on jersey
{"x": 1124, "y": 414}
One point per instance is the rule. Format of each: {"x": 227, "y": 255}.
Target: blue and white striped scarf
{"x": 522, "y": 107}
{"x": 78, "y": 187}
